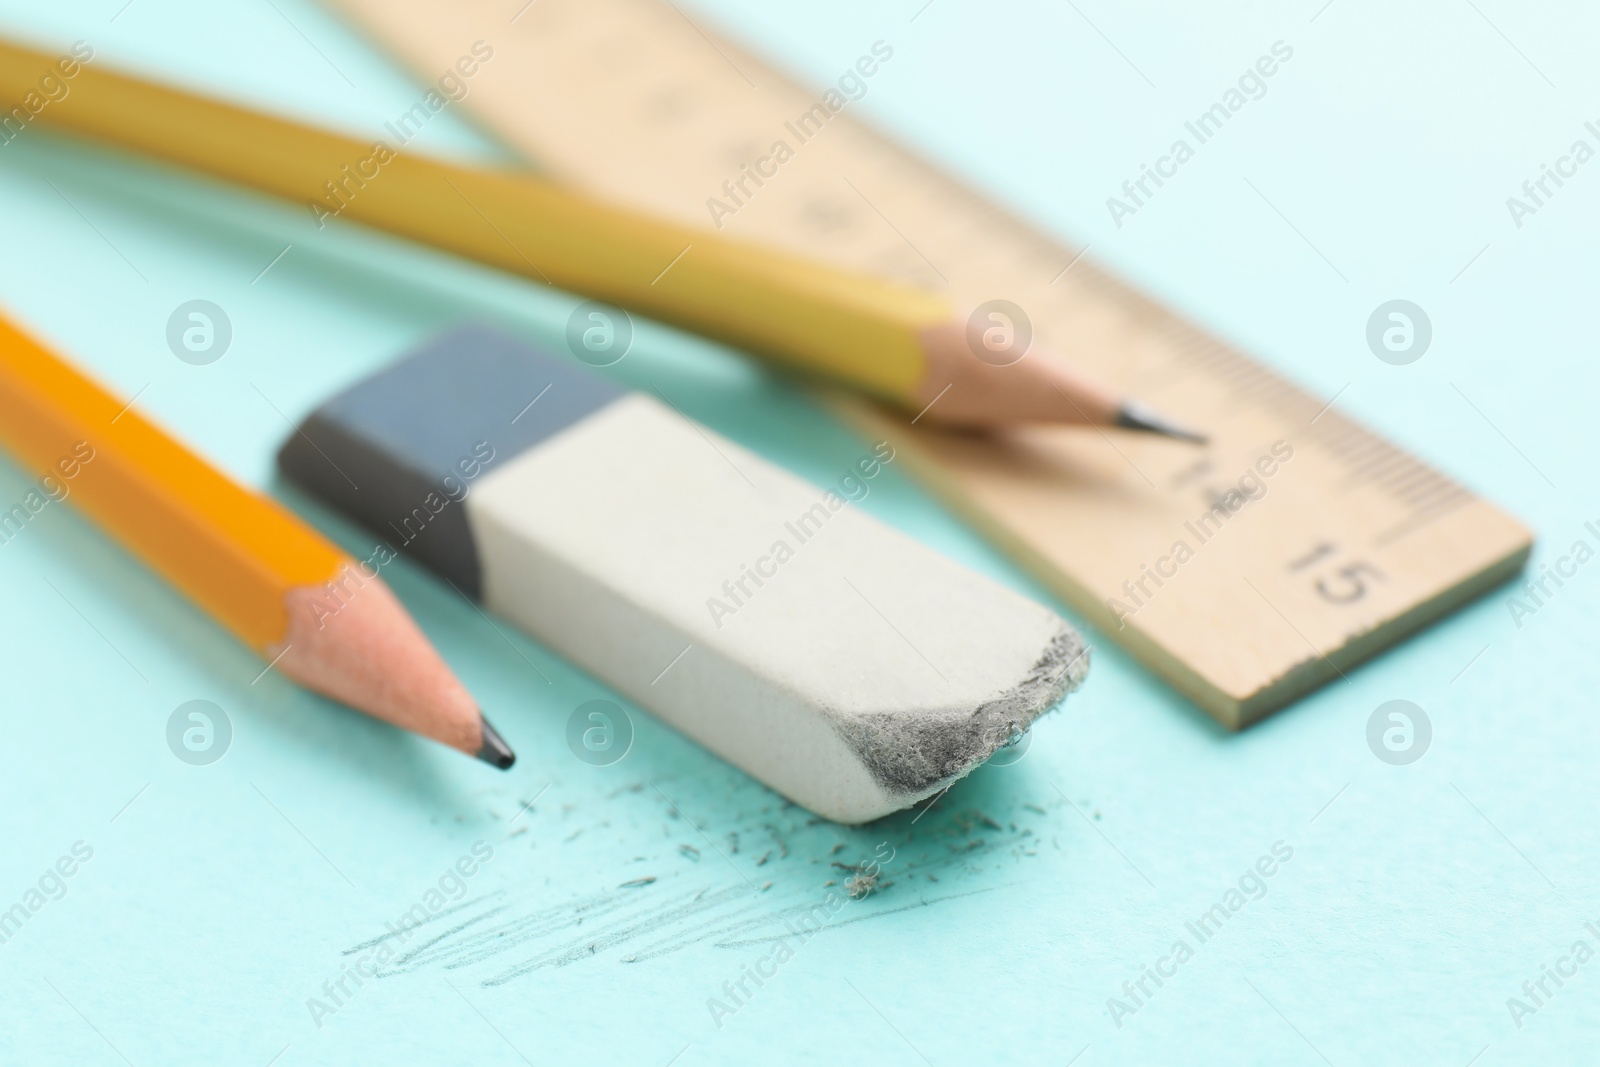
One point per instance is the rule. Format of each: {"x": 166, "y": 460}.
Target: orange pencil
{"x": 282, "y": 588}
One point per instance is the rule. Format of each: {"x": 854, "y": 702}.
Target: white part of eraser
{"x": 845, "y": 665}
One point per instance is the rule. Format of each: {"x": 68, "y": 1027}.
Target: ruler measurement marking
{"x": 1363, "y": 455}
{"x": 1399, "y": 468}
{"x": 1439, "y": 499}
{"x": 1421, "y": 480}
{"x": 1438, "y": 492}
{"x": 1351, "y": 441}
{"x": 1419, "y": 522}
{"x": 1379, "y": 465}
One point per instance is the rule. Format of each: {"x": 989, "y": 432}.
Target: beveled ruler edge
{"x": 1425, "y": 494}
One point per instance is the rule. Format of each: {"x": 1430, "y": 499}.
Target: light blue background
{"x": 1418, "y": 898}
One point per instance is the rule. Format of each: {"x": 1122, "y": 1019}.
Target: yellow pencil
{"x": 898, "y": 343}
{"x": 317, "y": 615}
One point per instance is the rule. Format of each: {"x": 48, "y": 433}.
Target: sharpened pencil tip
{"x": 494, "y": 750}
{"x": 1139, "y": 417}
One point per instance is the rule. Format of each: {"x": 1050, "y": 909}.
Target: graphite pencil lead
{"x": 494, "y": 750}
{"x": 1133, "y": 416}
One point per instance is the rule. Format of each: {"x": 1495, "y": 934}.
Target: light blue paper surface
{"x": 220, "y": 899}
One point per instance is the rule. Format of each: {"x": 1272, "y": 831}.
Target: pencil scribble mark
{"x": 503, "y": 936}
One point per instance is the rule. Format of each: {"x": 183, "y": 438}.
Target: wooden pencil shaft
{"x": 235, "y": 553}
{"x": 859, "y": 329}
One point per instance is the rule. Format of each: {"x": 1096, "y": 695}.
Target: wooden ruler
{"x": 1246, "y": 574}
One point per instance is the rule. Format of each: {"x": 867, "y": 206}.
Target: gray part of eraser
{"x": 391, "y": 449}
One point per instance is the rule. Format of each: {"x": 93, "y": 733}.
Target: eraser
{"x": 843, "y": 664}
